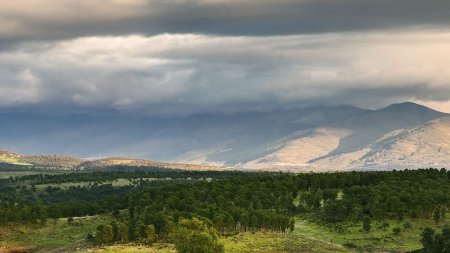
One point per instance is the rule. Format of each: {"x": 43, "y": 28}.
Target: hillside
{"x": 75, "y": 163}
{"x": 115, "y": 161}
{"x": 209, "y": 138}
{"x": 12, "y": 158}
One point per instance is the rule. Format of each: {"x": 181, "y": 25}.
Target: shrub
{"x": 195, "y": 235}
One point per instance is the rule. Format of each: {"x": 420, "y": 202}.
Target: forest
{"x": 153, "y": 205}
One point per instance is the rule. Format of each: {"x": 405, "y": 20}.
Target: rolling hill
{"x": 62, "y": 162}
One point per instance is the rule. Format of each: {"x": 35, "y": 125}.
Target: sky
{"x": 193, "y": 56}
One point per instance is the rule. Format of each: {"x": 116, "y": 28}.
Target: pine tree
{"x": 437, "y": 216}
{"x": 123, "y": 232}
{"x": 366, "y": 224}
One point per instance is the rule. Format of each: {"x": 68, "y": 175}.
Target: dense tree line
{"x": 415, "y": 194}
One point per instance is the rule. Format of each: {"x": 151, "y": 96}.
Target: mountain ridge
{"x": 307, "y": 138}
{"x": 362, "y": 133}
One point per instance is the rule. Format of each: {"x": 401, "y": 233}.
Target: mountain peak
{"x": 409, "y": 107}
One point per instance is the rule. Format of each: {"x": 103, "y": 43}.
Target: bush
{"x": 197, "y": 236}
{"x": 407, "y": 225}
{"x": 396, "y": 230}
{"x": 384, "y": 225}
{"x": 90, "y": 237}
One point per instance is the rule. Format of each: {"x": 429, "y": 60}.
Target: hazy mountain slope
{"x": 101, "y": 164}
{"x": 428, "y": 145}
{"x": 400, "y": 135}
{"x": 68, "y": 162}
{"x": 299, "y": 152}
{"x": 322, "y": 138}
{"x": 371, "y": 126}
{"x": 424, "y": 146}
{"x": 219, "y": 137}
{"x": 52, "y": 161}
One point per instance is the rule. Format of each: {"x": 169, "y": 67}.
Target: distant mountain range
{"x": 405, "y": 135}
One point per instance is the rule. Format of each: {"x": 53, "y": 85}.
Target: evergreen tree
{"x": 99, "y": 234}
{"x": 437, "y": 215}
{"x": 108, "y": 235}
{"x": 428, "y": 240}
{"x": 366, "y": 224}
{"x": 123, "y": 232}
{"x": 292, "y": 225}
{"x": 151, "y": 234}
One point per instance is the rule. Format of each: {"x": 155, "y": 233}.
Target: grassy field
{"x": 155, "y": 248}
{"x": 8, "y": 174}
{"x": 307, "y": 237}
{"x": 378, "y": 239}
{"x": 64, "y": 237}
{"x": 58, "y": 237}
{"x": 263, "y": 242}
{"x": 118, "y": 182}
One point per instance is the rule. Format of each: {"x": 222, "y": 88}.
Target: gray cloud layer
{"x": 199, "y": 72}
{"x": 200, "y": 55}
{"x": 56, "y": 19}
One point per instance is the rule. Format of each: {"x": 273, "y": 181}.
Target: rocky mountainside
{"x": 399, "y": 136}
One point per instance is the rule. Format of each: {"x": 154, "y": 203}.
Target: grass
{"x": 261, "y": 242}
{"x": 8, "y": 174}
{"x": 307, "y": 237}
{"x": 12, "y": 160}
{"x": 155, "y": 248}
{"x": 257, "y": 242}
{"x": 270, "y": 242}
{"x": 62, "y": 236}
{"x": 59, "y": 235}
{"x": 378, "y": 239}
{"x": 115, "y": 183}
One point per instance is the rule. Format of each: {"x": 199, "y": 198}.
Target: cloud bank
{"x": 186, "y": 56}
{"x": 49, "y": 19}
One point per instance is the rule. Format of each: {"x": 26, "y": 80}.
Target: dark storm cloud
{"x": 183, "y": 56}
{"x": 50, "y": 19}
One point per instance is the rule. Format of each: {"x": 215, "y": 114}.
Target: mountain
{"x": 202, "y": 138}
{"x": 399, "y": 136}
{"x": 318, "y": 138}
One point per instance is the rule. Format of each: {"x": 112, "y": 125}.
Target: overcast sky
{"x": 188, "y": 56}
